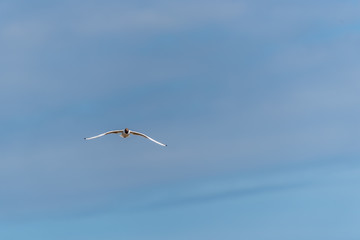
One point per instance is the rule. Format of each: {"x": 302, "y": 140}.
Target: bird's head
{"x": 126, "y": 130}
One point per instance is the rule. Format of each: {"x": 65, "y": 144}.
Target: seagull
{"x": 126, "y": 133}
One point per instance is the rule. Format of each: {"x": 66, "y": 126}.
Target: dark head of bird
{"x": 126, "y": 130}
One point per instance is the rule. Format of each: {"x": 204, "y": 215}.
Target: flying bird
{"x": 126, "y": 133}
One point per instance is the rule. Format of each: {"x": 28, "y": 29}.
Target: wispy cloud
{"x": 119, "y": 18}
{"x": 159, "y": 15}
{"x": 220, "y": 196}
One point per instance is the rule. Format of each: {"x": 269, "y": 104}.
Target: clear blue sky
{"x": 258, "y": 102}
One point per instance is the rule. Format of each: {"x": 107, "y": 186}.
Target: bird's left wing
{"x": 103, "y": 134}
{"x": 143, "y": 135}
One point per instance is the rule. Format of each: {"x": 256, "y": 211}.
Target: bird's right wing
{"x": 145, "y": 136}
{"x": 103, "y": 134}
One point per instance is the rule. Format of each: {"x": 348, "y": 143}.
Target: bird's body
{"x": 124, "y": 134}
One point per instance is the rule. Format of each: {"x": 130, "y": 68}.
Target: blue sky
{"x": 257, "y": 101}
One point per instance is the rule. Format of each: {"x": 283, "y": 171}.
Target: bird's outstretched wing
{"x": 103, "y": 134}
{"x": 143, "y": 135}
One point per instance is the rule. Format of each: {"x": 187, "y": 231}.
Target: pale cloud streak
{"x": 158, "y": 16}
